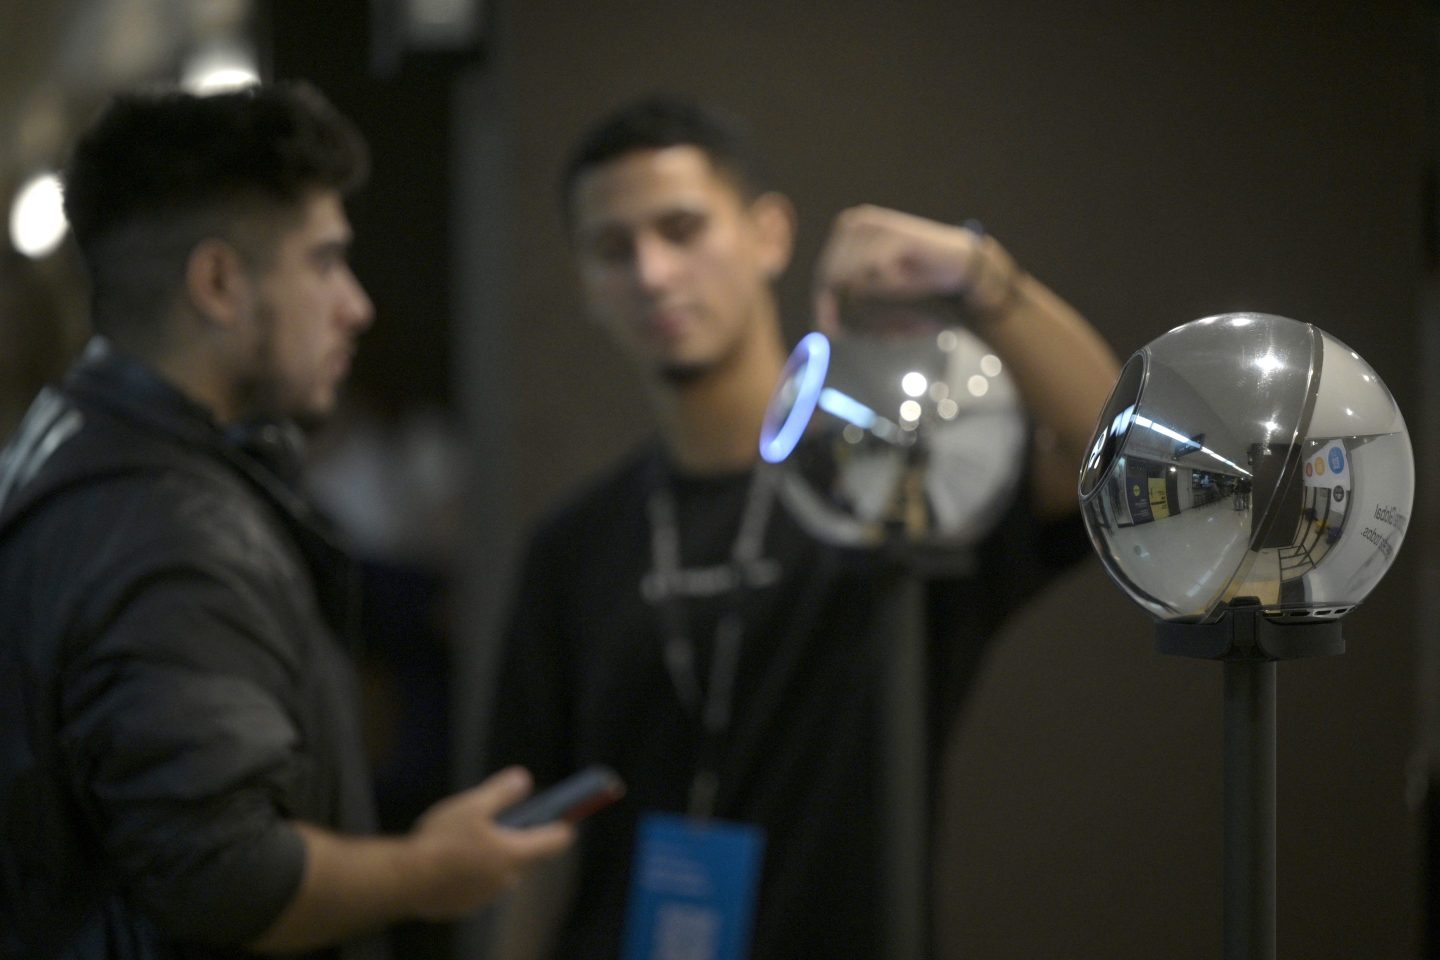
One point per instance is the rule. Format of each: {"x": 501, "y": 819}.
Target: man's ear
{"x": 217, "y": 283}
{"x": 774, "y": 217}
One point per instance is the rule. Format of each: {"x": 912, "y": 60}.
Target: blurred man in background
{"x": 674, "y": 621}
{"x": 181, "y": 771}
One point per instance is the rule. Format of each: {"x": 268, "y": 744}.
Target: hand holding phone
{"x": 572, "y": 799}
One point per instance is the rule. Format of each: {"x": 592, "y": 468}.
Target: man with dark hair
{"x": 181, "y": 773}
{"x": 659, "y": 122}
{"x": 676, "y": 623}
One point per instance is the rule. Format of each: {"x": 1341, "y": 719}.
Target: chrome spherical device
{"x": 1248, "y": 457}
{"x": 903, "y": 436}
{"x": 913, "y": 439}
{"x": 1249, "y": 483}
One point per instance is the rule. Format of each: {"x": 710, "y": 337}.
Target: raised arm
{"x": 1062, "y": 365}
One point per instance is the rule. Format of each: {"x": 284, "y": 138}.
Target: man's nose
{"x": 356, "y": 307}
{"x": 655, "y": 262}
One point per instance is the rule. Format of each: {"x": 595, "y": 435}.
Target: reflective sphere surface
{"x": 1248, "y": 455}
{"x": 915, "y": 439}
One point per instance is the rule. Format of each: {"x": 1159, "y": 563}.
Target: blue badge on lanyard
{"x": 692, "y": 889}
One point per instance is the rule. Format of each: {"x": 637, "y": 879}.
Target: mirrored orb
{"x": 1248, "y": 455}
{"x": 913, "y": 439}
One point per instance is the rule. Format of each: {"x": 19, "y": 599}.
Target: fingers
{"x": 876, "y": 252}
{"x": 502, "y": 789}
{"x": 530, "y": 844}
{"x": 507, "y": 787}
{"x": 849, "y": 260}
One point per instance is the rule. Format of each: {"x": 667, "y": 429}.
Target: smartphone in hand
{"x": 572, "y": 799}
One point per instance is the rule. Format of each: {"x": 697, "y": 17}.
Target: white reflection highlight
{"x": 914, "y": 384}
{"x": 990, "y": 365}
{"x": 1165, "y": 431}
{"x": 909, "y": 411}
{"x": 847, "y": 408}
{"x": 1269, "y": 363}
{"x": 220, "y": 69}
{"x": 37, "y": 217}
{"x": 977, "y": 385}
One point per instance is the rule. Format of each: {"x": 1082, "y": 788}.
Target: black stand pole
{"x": 1249, "y": 809}
{"x": 907, "y": 790}
{"x": 1249, "y": 644}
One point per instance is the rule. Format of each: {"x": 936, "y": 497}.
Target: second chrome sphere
{"x": 913, "y": 439}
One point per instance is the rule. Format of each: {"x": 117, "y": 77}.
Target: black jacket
{"x": 171, "y": 691}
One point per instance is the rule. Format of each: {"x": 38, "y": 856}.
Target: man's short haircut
{"x": 160, "y": 171}
{"x": 661, "y": 121}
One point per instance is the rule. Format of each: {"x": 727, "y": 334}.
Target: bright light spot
{"x": 1165, "y": 431}
{"x": 1269, "y": 363}
{"x": 947, "y": 409}
{"x": 1241, "y": 321}
{"x": 846, "y": 407}
{"x": 220, "y": 69}
{"x": 939, "y": 390}
{"x": 947, "y": 340}
{"x": 1270, "y": 426}
{"x": 806, "y": 368}
{"x": 1349, "y": 412}
{"x": 990, "y": 365}
{"x": 914, "y": 384}
{"x": 223, "y": 81}
{"x": 37, "y": 217}
{"x": 852, "y": 433}
{"x": 1172, "y": 469}
{"x": 977, "y": 385}
{"x": 909, "y": 411}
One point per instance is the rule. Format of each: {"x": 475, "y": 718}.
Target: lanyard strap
{"x": 668, "y": 585}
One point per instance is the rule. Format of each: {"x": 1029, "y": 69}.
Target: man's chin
{"x": 312, "y": 415}
{"x": 310, "y": 420}
{"x": 684, "y": 374}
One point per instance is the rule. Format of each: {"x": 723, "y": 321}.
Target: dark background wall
{"x": 1153, "y": 163}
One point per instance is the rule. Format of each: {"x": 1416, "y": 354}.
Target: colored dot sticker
{"x": 1309, "y": 470}
{"x": 1320, "y": 466}
{"x": 1337, "y": 460}
{"x": 1339, "y": 493}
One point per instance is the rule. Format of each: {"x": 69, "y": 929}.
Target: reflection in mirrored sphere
{"x": 1248, "y": 455}
{"x": 914, "y": 438}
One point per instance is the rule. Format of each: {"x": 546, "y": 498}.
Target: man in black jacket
{"x": 180, "y": 765}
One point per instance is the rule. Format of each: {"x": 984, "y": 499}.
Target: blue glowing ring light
{"x": 807, "y": 366}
